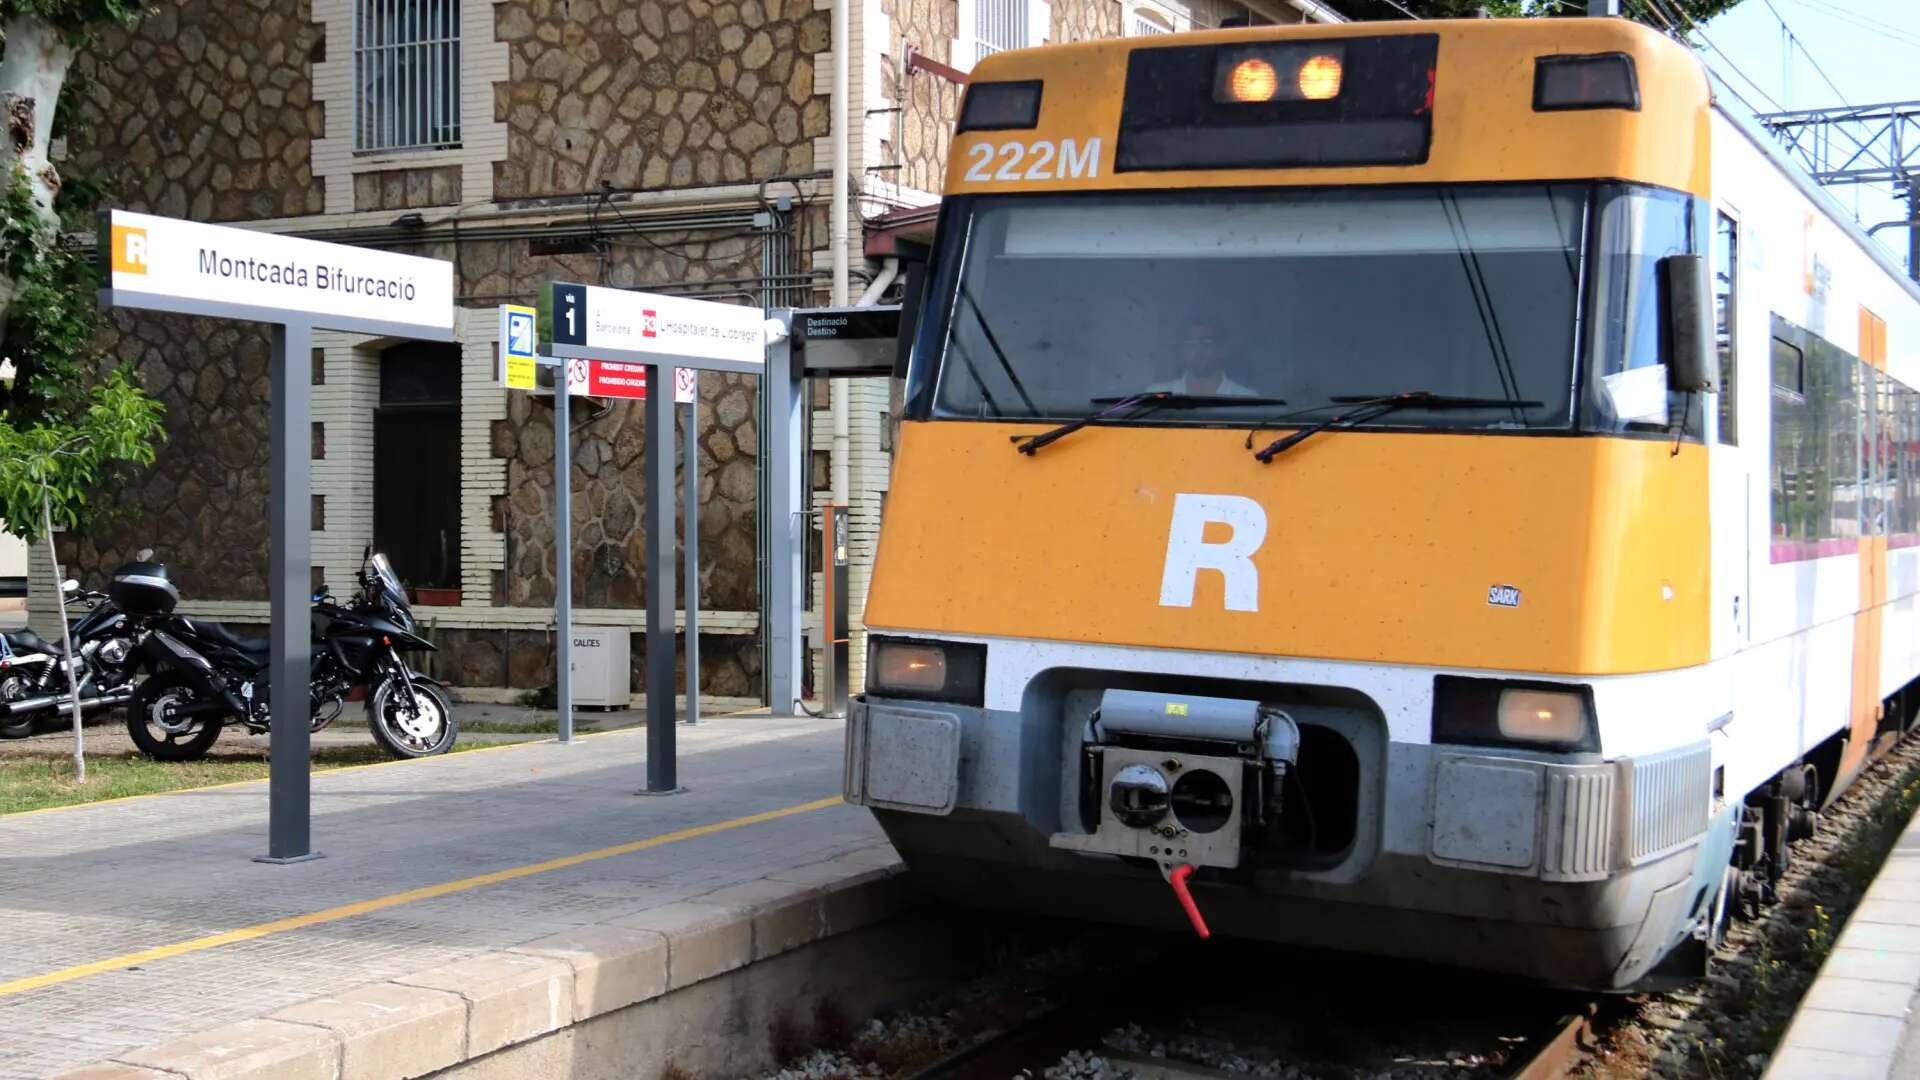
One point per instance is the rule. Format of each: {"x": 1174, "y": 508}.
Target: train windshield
{"x": 1300, "y": 294}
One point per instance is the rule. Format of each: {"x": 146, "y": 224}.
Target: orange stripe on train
{"x": 1374, "y": 546}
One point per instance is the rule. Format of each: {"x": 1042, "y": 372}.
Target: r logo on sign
{"x": 649, "y": 323}
{"x": 129, "y": 250}
{"x": 1189, "y": 551}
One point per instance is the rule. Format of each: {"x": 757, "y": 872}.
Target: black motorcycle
{"x": 33, "y": 672}
{"x": 205, "y": 676}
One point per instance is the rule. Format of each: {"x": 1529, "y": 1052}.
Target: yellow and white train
{"x": 1440, "y": 489}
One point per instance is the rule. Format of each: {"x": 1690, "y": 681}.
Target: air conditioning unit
{"x": 602, "y": 666}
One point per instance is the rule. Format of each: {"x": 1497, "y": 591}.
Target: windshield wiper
{"x": 1132, "y": 407}
{"x": 1374, "y": 406}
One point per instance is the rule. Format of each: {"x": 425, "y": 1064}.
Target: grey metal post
{"x": 690, "y": 552}
{"x": 661, "y": 715}
{"x": 1603, "y": 8}
{"x": 290, "y": 588}
{"x": 786, "y": 465}
{"x": 563, "y": 552}
{"x": 1913, "y": 232}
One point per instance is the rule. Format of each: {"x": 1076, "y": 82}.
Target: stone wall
{"x": 407, "y": 189}
{"x": 931, "y": 104}
{"x": 202, "y": 504}
{"x": 204, "y": 110}
{"x": 657, "y": 93}
{"x": 608, "y": 490}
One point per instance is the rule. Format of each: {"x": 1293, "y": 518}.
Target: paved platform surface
{"x": 85, "y": 885}
{"x": 1857, "y": 1021}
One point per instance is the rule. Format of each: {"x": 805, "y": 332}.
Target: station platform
{"x": 1857, "y": 1020}
{"x": 464, "y": 904}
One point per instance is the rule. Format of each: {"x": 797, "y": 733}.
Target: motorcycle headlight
{"x": 931, "y": 670}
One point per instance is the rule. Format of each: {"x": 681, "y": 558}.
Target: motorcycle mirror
{"x": 143, "y": 555}
{"x": 70, "y": 585}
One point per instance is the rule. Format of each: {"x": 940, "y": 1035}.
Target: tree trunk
{"x": 32, "y": 71}
{"x": 66, "y": 642}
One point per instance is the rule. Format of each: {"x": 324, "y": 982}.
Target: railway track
{"x": 1192, "y": 1013}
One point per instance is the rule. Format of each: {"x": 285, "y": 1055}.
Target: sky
{"x": 1870, "y": 49}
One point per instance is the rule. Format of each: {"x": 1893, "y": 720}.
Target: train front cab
{"x": 1509, "y": 691}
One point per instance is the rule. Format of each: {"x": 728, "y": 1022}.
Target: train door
{"x": 1729, "y": 467}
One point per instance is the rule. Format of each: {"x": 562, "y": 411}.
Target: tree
{"x": 68, "y": 411}
{"x": 1655, "y": 13}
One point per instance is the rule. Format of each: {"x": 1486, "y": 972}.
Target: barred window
{"x": 999, "y": 25}
{"x": 406, "y": 59}
{"x": 1147, "y": 21}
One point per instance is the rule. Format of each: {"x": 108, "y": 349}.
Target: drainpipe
{"x": 888, "y": 271}
{"x": 842, "y": 47}
{"x": 1316, "y": 12}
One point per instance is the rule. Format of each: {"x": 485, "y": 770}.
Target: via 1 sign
{"x": 165, "y": 264}
{"x": 651, "y": 328}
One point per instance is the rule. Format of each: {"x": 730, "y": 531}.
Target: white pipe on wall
{"x": 842, "y": 56}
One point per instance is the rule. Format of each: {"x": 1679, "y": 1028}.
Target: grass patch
{"x": 38, "y": 781}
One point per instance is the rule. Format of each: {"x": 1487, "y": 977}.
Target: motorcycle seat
{"x": 219, "y": 633}
{"x": 26, "y": 641}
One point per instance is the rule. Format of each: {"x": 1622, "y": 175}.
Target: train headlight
{"x": 933, "y": 670}
{"x": 1505, "y": 712}
{"x": 1547, "y": 716}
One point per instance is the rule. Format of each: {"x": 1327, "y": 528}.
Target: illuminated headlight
{"x": 1542, "y": 716}
{"x": 933, "y": 670}
{"x": 1499, "y": 712}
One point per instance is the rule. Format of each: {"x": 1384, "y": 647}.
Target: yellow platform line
{"x": 429, "y": 892}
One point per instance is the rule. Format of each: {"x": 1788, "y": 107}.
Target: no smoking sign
{"x": 686, "y": 385}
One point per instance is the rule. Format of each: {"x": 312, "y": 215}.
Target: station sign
{"x": 518, "y": 367}
{"x": 167, "y": 264}
{"x": 845, "y": 342}
{"x": 591, "y": 321}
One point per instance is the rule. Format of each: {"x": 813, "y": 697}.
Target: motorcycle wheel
{"x": 14, "y": 688}
{"x": 163, "y": 741}
{"x": 405, "y": 733}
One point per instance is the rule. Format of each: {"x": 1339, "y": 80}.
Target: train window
{"x": 1726, "y": 273}
{"x": 1269, "y": 294}
{"x": 1830, "y": 410}
{"x": 1628, "y": 388}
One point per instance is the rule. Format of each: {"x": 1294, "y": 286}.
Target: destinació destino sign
{"x": 166, "y": 264}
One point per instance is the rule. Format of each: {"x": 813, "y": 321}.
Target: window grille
{"x": 407, "y": 66}
{"x": 1146, "y": 22}
{"x": 999, "y": 25}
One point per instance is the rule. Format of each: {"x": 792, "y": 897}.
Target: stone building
{"x": 676, "y": 145}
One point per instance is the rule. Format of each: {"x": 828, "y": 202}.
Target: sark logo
{"x": 649, "y": 323}
{"x": 1503, "y": 596}
{"x": 1189, "y": 551}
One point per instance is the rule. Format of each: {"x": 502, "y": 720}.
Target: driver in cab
{"x": 1203, "y": 361}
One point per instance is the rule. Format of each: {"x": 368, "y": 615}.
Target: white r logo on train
{"x": 1188, "y": 551}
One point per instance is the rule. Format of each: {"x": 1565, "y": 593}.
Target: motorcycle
{"x": 33, "y": 672}
{"x": 205, "y": 676}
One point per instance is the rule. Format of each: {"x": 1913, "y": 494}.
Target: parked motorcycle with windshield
{"x": 204, "y": 676}
{"x": 33, "y": 672}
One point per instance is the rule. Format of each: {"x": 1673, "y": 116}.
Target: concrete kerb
{"x": 1854, "y": 1016}
{"x": 439, "y": 1018}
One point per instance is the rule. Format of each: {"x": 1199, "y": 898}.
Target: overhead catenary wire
{"x": 1808, "y": 53}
